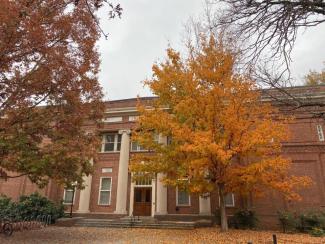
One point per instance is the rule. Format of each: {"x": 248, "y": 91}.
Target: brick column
{"x": 84, "y": 198}
{"x": 122, "y": 181}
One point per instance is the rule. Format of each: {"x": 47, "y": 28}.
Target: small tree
{"x": 224, "y": 137}
{"x": 315, "y": 78}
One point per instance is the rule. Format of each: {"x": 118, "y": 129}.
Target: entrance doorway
{"x": 142, "y": 201}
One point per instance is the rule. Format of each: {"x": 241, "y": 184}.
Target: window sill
{"x": 183, "y": 206}
{"x": 104, "y": 205}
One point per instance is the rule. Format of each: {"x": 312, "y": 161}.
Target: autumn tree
{"x": 223, "y": 136}
{"x": 48, "y": 88}
{"x": 266, "y": 32}
{"x": 270, "y": 25}
{"x": 315, "y": 78}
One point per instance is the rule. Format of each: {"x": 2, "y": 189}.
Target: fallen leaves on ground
{"x": 110, "y": 235}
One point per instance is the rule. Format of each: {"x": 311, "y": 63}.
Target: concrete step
{"x": 134, "y": 224}
{"x": 157, "y": 226}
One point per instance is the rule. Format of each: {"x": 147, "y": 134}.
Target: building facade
{"x": 110, "y": 190}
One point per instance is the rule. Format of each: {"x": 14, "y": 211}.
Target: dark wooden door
{"x": 142, "y": 201}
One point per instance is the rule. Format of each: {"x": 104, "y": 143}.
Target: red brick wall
{"x": 304, "y": 148}
{"x": 173, "y": 209}
{"x": 106, "y": 160}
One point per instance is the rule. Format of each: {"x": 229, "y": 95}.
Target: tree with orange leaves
{"x": 49, "y": 88}
{"x": 223, "y": 136}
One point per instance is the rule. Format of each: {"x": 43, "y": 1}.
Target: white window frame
{"x": 74, "y": 196}
{"x": 116, "y": 135}
{"x": 99, "y": 191}
{"x": 115, "y": 119}
{"x": 183, "y": 205}
{"x": 138, "y": 147}
{"x": 320, "y": 132}
{"x": 233, "y": 201}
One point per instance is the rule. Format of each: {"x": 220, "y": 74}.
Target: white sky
{"x": 146, "y": 28}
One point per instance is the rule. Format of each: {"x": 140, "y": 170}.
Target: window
{"x": 135, "y": 146}
{"x": 320, "y": 133}
{"x": 111, "y": 142}
{"x": 68, "y": 196}
{"x": 156, "y": 138}
{"x": 105, "y": 191}
{"x": 182, "y": 198}
{"x": 133, "y": 118}
{"x": 169, "y": 140}
{"x": 113, "y": 119}
{"x": 143, "y": 181}
{"x": 230, "y": 200}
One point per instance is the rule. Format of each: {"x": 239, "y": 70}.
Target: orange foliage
{"x": 48, "y": 57}
{"x": 223, "y": 135}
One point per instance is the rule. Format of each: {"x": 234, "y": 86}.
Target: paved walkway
{"x": 82, "y": 235}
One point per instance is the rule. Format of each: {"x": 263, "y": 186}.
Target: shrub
{"x": 302, "y": 222}
{"x": 317, "y": 232}
{"x": 244, "y": 219}
{"x": 8, "y": 209}
{"x": 30, "y": 207}
{"x": 288, "y": 221}
{"x": 34, "y": 205}
{"x": 310, "y": 220}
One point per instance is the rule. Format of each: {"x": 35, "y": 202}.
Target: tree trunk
{"x": 223, "y": 214}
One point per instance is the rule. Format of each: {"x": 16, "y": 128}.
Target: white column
{"x": 122, "y": 181}
{"x": 84, "y": 198}
{"x": 153, "y": 197}
{"x": 161, "y": 204}
{"x": 205, "y": 205}
{"x": 131, "y": 198}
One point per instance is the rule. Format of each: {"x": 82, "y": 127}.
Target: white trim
{"x": 74, "y": 196}
{"x": 130, "y": 109}
{"x": 320, "y": 132}
{"x": 99, "y": 191}
{"x": 183, "y": 205}
{"x": 131, "y": 197}
{"x": 115, "y": 119}
{"x": 133, "y": 118}
{"x": 153, "y": 197}
{"x": 107, "y": 170}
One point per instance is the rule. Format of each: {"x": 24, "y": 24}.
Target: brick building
{"x": 109, "y": 190}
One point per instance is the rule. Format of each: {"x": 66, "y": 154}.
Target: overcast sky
{"x": 146, "y": 28}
